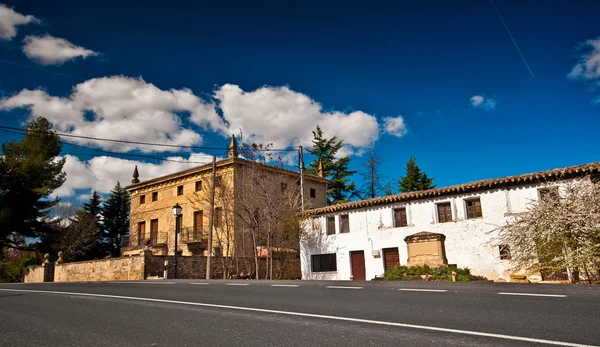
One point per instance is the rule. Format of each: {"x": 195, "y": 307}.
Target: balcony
{"x": 193, "y": 235}
{"x": 153, "y": 240}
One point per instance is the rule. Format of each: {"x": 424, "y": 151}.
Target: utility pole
{"x": 211, "y": 218}
{"x": 301, "y": 154}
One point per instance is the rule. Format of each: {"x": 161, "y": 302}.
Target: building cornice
{"x": 220, "y": 163}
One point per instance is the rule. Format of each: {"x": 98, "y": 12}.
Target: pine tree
{"x": 115, "y": 216}
{"x": 324, "y": 149}
{"x": 29, "y": 173}
{"x": 414, "y": 179}
{"x": 92, "y": 211}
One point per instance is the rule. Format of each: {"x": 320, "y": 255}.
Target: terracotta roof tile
{"x": 542, "y": 176}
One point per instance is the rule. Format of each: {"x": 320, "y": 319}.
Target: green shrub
{"x": 440, "y": 273}
{"x": 15, "y": 264}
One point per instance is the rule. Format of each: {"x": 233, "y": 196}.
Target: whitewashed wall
{"x": 469, "y": 242}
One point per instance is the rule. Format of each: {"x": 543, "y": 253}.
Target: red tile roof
{"x": 536, "y": 177}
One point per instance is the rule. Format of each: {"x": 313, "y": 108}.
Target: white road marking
{"x": 312, "y": 315}
{"x": 531, "y": 294}
{"x": 343, "y": 287}
{"x": 140, "y": 282}
{"x": 237, "y": 284}
{"x": 285, "y": 285}
{"x": 423, "y": 290}
{"x": 200, "y": 283}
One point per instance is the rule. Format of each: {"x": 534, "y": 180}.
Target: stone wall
{"x": 112, "y": 269}
{"x": 144, "y": 265}
{"x": 34, "y": 274}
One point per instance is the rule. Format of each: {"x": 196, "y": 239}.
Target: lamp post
{"x": 176, "y": 213}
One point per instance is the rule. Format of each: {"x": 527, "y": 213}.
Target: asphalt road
{"x": 298, "y": 313}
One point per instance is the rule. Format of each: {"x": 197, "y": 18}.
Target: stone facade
{"x": 152, "y": 222}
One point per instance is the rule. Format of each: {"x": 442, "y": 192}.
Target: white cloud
{"x": 131, "y": 109}
{"x": 118, "y": 108}
{"x": 395, "y": 126}
{"x": 102, "y": 173}
{"x": 588, "y": 67}
{"x": 50, "y": 50}
{"x": 287, "y": 118}
{"x": 484, "y": 103}
{"x": 9, "y": 20}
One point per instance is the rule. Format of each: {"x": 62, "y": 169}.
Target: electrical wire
{"x": 63, "y": 134}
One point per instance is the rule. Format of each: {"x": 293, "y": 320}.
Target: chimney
{"x": 233, "y": 152}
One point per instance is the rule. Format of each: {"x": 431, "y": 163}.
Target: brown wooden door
{"x": 390, "y": 257}
{"x": 357, "y": 258}
{"x": 154, "y": 230}
{"x": 198, "y": 218}
{"x": 141, "y": 233}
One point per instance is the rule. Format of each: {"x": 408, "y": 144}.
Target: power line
{"x": 148, "y": 143}
{"x": 115, "y": 153}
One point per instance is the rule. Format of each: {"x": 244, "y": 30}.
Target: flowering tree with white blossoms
{"x": 560, "y": 232}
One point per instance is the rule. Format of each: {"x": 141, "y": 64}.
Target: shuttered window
{"x": 330, "y": 225}
{"x": 444, "y": 212}
{"x": 344, "y": 224}
{"x": 323, "y": 262}
{"x": 473, "y": 208}
{"x": 400, "y": 219}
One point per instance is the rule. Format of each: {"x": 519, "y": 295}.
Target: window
{"x": 179, "y": 190}
{"x": 218, "y": 217}
{"x": 473, "y": 208}
{"x": 330, "y": 225}
{"x": 218, "y": 181}
{"x": 548, "y": 193}
{"x": 313, "y": 193}
{"x": 323, "y": 262}
{"x": 504, "y": 252}
{"x": 316, "y": 223}
{"x": 444, "y": 212}
{"x": 155, "y": 196}
{"x": 344, "y": 224}
{"x": 198, "y": 186}
{"x": 142, "y": 199}
{"x": 400, "y": 217}
{"x": 283, "y": 186}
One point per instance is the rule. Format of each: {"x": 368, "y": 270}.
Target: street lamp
{"x": 176, "y": 213}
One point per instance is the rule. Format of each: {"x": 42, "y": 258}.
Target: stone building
{"x": 152, "y": 222}
{"x": 453, "y": 225}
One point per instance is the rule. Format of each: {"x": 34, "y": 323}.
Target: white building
{"x": 458, "y": 225}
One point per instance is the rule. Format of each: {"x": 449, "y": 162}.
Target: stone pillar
{"x": 426, "y": 248}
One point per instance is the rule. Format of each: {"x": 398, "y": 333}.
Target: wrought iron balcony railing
{"x": 190, "y": 235}
{"x": 140, "y": 241}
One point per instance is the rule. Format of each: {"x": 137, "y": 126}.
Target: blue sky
{"x": 277, "y": 70}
